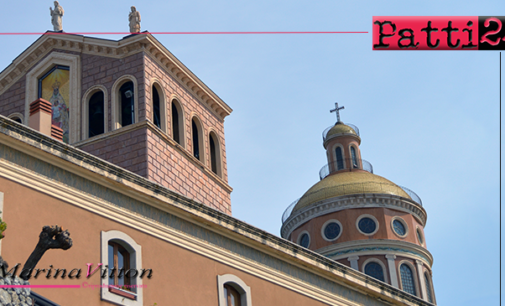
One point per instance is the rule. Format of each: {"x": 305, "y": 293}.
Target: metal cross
{"x": 337, "y": 109}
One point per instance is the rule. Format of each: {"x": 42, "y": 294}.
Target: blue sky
{"x": 429, "y": 120}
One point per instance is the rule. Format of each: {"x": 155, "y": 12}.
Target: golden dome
{"x": 346, "y": 183}
{"x": 340, "y": 128}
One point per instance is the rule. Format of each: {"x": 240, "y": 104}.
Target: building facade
{"x": 120, "y": 144}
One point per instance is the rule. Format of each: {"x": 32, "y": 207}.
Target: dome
{"x": 347, "y": 183}
{"x": 340, "y": 128}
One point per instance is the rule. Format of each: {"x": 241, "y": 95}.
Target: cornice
{"x": 352, "y": 201}
{"x": 115, "y": 49}
{"x": 191, "y": 82}
{"x": 376, "y": 246}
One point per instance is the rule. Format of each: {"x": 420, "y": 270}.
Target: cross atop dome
{"x": 337, "y": 110}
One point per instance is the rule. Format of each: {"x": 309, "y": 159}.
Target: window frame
{"x": 163, "y": 104}
{"x": 401, "y": 220}
{"x": 371, "y": 217}
{"x": 217, "y": 145}
{"x": 323, "y": 228}
{"x": 200, "y": 138}
{"x": 414, "y": 277}
{"x": 335, "y": 160}
{"x": 32, "y": 88}
{"x": 135, "y": 250}
{"x": 429, "y": 286}
{"x": 237, "y": 284}
{"x": 17, "y": 115}
{"x": 85, "y": 110}
{"x": 180, "y": 118}
{"x": 116, "y": 100}
{"x": 298, "y": 240}
{"x": 383, "y": 266}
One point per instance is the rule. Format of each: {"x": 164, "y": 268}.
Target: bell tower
{"x": 362, "y": 220}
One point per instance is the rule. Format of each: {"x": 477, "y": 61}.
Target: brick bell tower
{"x": 130, "y": 102}
{"x": 362, "y": 220}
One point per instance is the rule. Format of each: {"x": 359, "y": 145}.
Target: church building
{"x": 119, "y": 143}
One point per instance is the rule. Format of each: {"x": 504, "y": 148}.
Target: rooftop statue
{"x": 56, "y": 16}
{"x": 134, "y": 18}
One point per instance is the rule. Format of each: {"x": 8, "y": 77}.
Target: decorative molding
{"x": 352, "y": 201}
{"x": 376, "y": 246}
{"x": 85, "y": 109}
{"x": 132, "y": 247}
{"x": 237, "y": 284}
{"x": 125, "y": 47}
{"x": 31, "y": 91}
{"x": 116, "y": 100}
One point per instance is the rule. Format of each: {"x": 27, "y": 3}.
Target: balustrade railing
{"x": 345, "y": 164}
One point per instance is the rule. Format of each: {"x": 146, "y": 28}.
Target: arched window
{"x": 407, "y": 277}
{"x": 215, "y": 156}
{"x": 375, "y": 270}
{"x": 232, "y": 291}
{"x": 96, "y": 121}
{"x": 156, "y": 108}
{"x": 176, "y": 122}
{"x": 340, "y": 159}
{"x": 16, "y": 117}
{"x": 232, "y": 296}
{"x": 354, "y": 158}
{"x": 195, "y": 137}
{"x": 123, "y": 284}
{"x": 127, "y": 105}
{"x": 427, "y": 281}
{"x": 119, "y": 259}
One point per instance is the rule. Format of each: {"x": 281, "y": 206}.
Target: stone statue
{"x": 56, "y": 16}
{"x": 134, "y": 18}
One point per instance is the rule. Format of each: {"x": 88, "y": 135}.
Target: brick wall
{"x": 184, "y": 174}
{"x": 127, "y": 150}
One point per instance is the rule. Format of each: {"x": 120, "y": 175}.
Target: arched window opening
{"x": 156, "y": 108}
{"x": 119, "y": 260}
{"x": 123, "y": 256}
{"x": 375, "y": 270}
{"x": 407, "y": 276}
{"x": 213, "y": 154}
{"x": 354, "y": 158}
{"x": 175, "y": 124}
{"x": 17, "y": 119}
{"x": 427, "y": 281}
{"x": 194, "y": 133}
{"x": 232, "y": 296}
{"x": 96, "y": 114}
{"x": 232, "y": 291}
{"x": 127, "y": 111}
{"x": 340, "y": 159}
